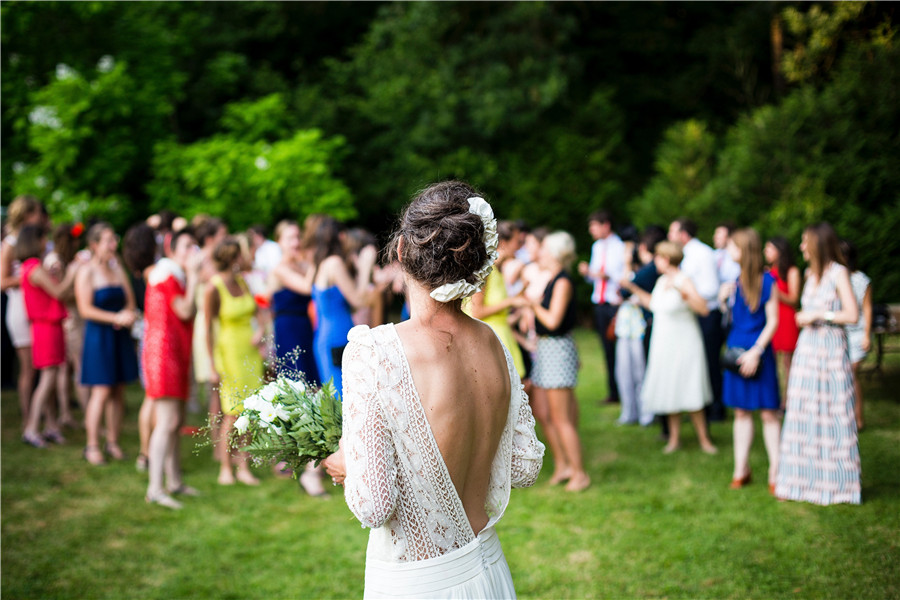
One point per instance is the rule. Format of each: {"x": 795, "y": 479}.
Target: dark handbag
{"x": 337, "y": 355}
{"x": 729, "y": 360}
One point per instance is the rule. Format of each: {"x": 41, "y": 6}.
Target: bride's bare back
{"x": 461, "y": 376}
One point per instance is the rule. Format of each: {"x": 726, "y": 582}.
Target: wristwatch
{"x": 829, "y": 316}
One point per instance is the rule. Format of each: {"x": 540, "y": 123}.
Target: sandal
{"x": 114, "y": 451}
{"x": 94, "y": 451}
{"x": 185, "y": 490}
{"x": 54, "y": 437}
{"x": 142, "y": 463}
{"x": 34, "y": 440}
{"x": 163, "y": 499}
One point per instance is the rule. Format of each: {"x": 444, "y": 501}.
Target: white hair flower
{"x": 462, "y": 288}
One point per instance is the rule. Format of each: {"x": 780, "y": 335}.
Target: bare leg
{"x": 215, "y": 421}
{"x": 226, "y": 473}
{"x": 674, "y": 433}
{"x": 173, "y": 460}
{"x": 561, "y": 417}
{"x": 743, "y": 439}
{"x": 541, "y": 410}
{"x": 146, "y": 426}
{"x": 115, "y": 411}
{"x": 63, "y": 375}
{"x": 858, "y": 405}
{"x": 42, "y": 394}
{"x": 160, "y": 447}
{"x": 698, "y": 418}
{"x": 26, "y": 380}
{"x": 772, "y": 438}
{"x": 786, "y": 358}
{"x": 82, "y": 392}
{"x": 93, "y": 415}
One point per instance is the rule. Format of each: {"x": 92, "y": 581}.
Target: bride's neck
{"x": 425, "y": 310}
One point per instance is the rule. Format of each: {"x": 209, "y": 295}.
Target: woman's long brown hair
{"x": 823, "y": 247}
{"x": 747, "y": 240}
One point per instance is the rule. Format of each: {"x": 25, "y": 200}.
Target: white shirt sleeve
{"x": 700, "y": 265}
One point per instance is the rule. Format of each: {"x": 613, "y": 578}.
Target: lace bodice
{"x": 397, "y": 482}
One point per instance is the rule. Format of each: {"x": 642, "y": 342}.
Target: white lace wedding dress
{"x": 421, "y": 544}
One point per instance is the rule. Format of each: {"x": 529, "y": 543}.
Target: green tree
{"x": 92, "y": 141}
{"x": 824, "y": 154}
{"x": 255, "y": 172}
{"x": 683, "y": 167}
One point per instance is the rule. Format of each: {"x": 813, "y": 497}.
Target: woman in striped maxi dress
{"x": 819, "y": 449}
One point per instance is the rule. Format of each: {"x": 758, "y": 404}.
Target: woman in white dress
{"x": 676, "y": 380}
{"x": 437, "y": 428}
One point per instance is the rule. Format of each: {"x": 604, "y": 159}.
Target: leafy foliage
{"x": 684, "y": 166}
{"x": 90, "y": 138}
{"x": 251, "y": 174}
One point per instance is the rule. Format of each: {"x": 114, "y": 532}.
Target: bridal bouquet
{"x": 288, "y": 421}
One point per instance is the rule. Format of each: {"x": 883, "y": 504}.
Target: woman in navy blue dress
{"x": 106, "y": 303}
{"x": 291, "y": 286}
{"x": 755, "y": 386}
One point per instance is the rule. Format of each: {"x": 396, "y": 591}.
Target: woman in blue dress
{"x": 754, "y": 387}
{"x": 291, "y": 286}
{"x": 335, "y": 291}
{"x": 106, "y": 303}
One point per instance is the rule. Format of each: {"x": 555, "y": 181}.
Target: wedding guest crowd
{"x": 683, "y": 328}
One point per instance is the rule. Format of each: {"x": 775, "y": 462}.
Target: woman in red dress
{"x": 41, "y": 293}
{"x": 168, "y": 320}
{"x": 780, "y": 259}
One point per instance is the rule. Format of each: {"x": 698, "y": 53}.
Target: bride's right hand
{"x": 335, "y": 465}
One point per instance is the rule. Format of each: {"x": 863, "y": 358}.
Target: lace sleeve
{"x": 527, "y": 450}
{"x": 370, "y": 487}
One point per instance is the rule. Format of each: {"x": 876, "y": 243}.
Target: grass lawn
{"x": 650, "y": 526}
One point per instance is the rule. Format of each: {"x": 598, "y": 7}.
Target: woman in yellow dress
{"x": 492, "y": 304}
{"x": 237, "y": 366}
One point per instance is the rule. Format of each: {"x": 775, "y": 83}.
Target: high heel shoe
{"x": 93, "y": 456}
{"x": 737, "y": 484}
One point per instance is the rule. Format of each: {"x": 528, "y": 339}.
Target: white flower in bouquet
{"x": 242, "y": 423}
{"x": 286, "y": 420}
{"x": 271, "y": 391}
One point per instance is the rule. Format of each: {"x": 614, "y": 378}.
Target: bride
{"x": 437, "y": 428}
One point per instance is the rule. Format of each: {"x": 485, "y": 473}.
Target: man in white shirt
{"x": 605, "y": 271}
{"x": 729, "y": 271}
{"x": 266, "y": 253}
{"x": 699, "y": 264}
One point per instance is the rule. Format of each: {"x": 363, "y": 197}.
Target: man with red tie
{"x": 605, "y": 271}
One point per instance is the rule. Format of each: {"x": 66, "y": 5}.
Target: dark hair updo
{"x": 442, "y": 241}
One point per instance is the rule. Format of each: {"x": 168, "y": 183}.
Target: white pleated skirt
{"x": 477, "y": 570}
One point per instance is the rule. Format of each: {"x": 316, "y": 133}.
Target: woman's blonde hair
{"x": 670, "y": 251}
{"x": 561, "y": 246}
{"x": 748, "y": 242}
{"x": 20, "y": 209}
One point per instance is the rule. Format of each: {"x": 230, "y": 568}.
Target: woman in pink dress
{"x": 41, "y": 293}
{"x": 169, "y": 321}
{"x": 780, "y": 259}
